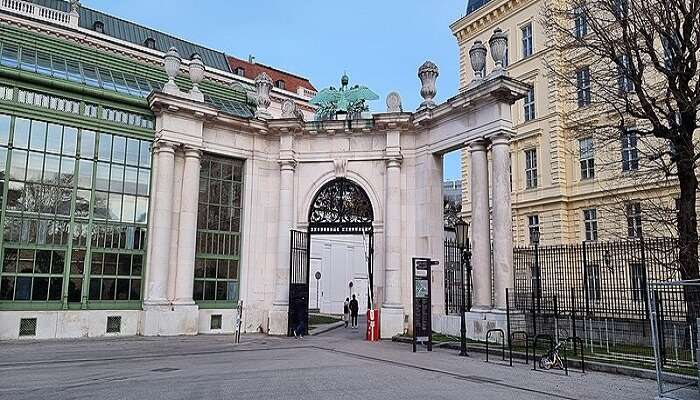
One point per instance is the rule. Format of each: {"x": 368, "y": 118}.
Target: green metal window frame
{"x": 217, "y": 258}
{"x": 79, "y": 229}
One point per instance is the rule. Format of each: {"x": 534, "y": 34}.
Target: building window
{"x": 590, "y": 223}
{"x": 98, "y": 27}
{"x": 506, "y": 59}
{"x": 668, "y": 52}
{"x": 633, "y": 213}
{"x": 150, "y": 43}
{"x": 529, "y": 105}
{"x": 580, "y": 22}
{"x": 593, "y": 282}
{"x": 583, "y": 86}
{"x": 533, "y": 225}
{"x": 216, "y": 273}
{"x": 624, "y": 82}
{"x": 587, "y": 158}
{"x": 530, "y": 169}
{"x": 620, "y": 8}
{"x": 75, "y": 215}
{"x": 630, "y": 154}
{"x": 526, "y": 32}
{"x": 279, "y": 84}
{"x": 240, "y": 71}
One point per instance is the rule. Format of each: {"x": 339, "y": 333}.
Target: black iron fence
{"x": 453, "y": 279}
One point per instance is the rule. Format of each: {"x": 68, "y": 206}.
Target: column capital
{"x": 287, "y": 164}
{"x": 192, "y": 152}
{"x": 394, "y": 162}
{"x": 477, "y": 145}
{"x": 164, "y": 146}
{"x": 501, "y": 137}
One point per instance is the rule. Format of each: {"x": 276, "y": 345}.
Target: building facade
{"x": 566, "y": 184}
{"x": 149, "y": 190}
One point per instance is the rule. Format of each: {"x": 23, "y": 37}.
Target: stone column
{"x": 157, "y": 284}
{"x": 175, "y": 224}
{"x": 280, "y": 305}
{"x": 480, "y": 227}
{"x": 392, "y": 312}
{"x": 187, "y": 234}
{"x": 502, "y": 219}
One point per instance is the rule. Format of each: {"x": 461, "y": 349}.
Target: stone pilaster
{"x": 280, "y": 305}
{"x": 157, "y": 284}
{"x": 502, "y": 219}
{"x": 481, "y": 229}
{"x": 187, "y": 234}
{"x": 391, "y": 319}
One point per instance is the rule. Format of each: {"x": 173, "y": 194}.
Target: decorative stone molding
{"x": 428, "y": 73}
{"x": 290, "y": 110}
{"x": 477, "y": 57}
{"x": 196, "y": 71}
{"x": 172, "y": 66}
{"x": 164, "y": 146}
{"x": 393, "y": 103}
{"x": 263, "y": 85}
{"x": 498, "y": 43}
{"x": 394, "y": 162}
{"x": 287, "y": 164}
{"x": 341, "y": 167}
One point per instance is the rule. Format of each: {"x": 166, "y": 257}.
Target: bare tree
{"x": 630, "y": 68}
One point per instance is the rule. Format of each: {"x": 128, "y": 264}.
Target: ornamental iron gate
{"x": 299, "y": 281}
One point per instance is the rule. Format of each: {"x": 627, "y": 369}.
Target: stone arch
{"x": 364, "y": 184}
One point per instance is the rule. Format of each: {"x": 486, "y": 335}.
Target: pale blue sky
{"x": 380, "y": 43}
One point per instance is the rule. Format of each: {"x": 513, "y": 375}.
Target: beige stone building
{"x": 564, "y": 183}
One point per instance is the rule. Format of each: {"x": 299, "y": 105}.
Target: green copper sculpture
{"x": 351, "y": 101}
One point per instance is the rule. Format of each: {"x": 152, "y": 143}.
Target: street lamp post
{"x": 462, "y": 233}
{"x": 537, "y": 276}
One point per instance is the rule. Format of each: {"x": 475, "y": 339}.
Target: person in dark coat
{"x": 354, "y": 308}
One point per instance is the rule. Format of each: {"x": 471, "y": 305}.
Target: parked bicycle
{"x": 552, "y": 358}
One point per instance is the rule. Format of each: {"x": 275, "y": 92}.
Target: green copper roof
{"x": 137, "y": 34}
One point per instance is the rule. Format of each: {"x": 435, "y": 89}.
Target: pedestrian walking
{"x": 346, "y": 311}
{"x": 300, "y": 328}
{"x": 354, "y": 308}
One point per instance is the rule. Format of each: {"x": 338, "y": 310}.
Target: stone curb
{"x": 326, "y": 328}
{"x": 576, "y": 364}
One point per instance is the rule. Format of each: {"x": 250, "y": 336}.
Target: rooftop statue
{"x": 350, "y": 101}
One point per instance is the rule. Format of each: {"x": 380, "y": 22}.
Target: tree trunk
{"x": 688, "y": 230}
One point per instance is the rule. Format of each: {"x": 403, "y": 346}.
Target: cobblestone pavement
{"x": 335, "y": 365}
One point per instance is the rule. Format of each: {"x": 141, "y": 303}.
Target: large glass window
{"x": 590, "y": 222}
{"x": 75, "y": 213}
{"x": 633, "y": 213}
{"x": 587, "y": 158}
{"x": 533, "y": 225}
{"x": 583, "y": 87}
{"x": 217, "y": 259}
{"x": 530, "y": 169}
{"x": 630, "y": 153}
{"x": 526, "y": 34}
{"x": 529, "y": 104}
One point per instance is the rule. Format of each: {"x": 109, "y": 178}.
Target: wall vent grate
{"x": 114, "y": 324}
{"x": 216, "y": 321}
{"x": 27, "y": 327}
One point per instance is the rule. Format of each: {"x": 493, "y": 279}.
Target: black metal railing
{"x": 453, "y": 279}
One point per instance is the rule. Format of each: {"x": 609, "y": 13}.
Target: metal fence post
{"x": 585, "y": 278}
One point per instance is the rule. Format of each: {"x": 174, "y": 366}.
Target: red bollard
{"x": 373, "y": 325}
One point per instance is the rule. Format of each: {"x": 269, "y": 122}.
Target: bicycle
{"x": 552, "y": 358}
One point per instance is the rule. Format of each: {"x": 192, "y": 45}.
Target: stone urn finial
{"x": 172, "y": 66}
{"x": 498, "y": 43}
{"x": 477, "y": 56}
{"x": 196, "y": 75}
{"x": 428, "y": 73}
{"x": 263, "y": 85}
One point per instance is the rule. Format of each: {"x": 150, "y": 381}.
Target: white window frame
{"x": 531, "y": 168}
{"x": 580, "y": 22}
{"x": 583, "y": 86}
{"x": 633, "y": 214}
{"x": 533, "y": 224}
{"x": 529, "y": 105}
{"x": 590, "y": 224}
{"x": 630, "y": 152}
{"x": 587, "y": 158}
{"x": 527, "y": 40}
{"x": 624, "y": 83}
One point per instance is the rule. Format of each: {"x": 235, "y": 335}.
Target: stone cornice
{"x": 501, "y": 88}
{"x": 466, "y": 27}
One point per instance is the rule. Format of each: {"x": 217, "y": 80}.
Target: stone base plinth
{"x": 391, "y": 322}
{"x": 278, "y": 320}
{"x": 164, "y": 320}
{"x": 481, "y": 321}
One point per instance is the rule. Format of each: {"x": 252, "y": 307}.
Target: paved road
{"x": 336, "y": 365}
